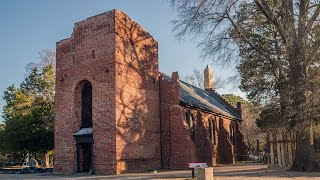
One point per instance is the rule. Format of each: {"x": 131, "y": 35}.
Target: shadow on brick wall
{"x": 224, "y": 145}
{"x": 203, "y": 142}
{"x": 137, "y": 97}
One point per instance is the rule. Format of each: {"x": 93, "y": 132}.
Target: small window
{"x": 232, "y": 134}
{"x": 192, "y": 127}
{"x": 212, "y": 131}
{"x": 190, "y": 122}
{"x": 188, "y": 117}
{"x": 93, "y": 54}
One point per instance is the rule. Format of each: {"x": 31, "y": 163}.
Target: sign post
{"x": 196, "y": 165}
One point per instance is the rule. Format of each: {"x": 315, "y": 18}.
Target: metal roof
{"x": 83, "y": 131}
{"x": 200, "y": 98}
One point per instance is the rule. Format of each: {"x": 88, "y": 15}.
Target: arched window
{"x": 232, "y": 133}
{"x": 192, "y": 127}
{"x": 86, "y": 104}
{"x": 188, "y": 117}
{"x": 212, "y": 130}
{"x": 190, "y": 121}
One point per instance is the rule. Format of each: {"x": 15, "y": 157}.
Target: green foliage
{"x": 2, "y": 127}
{"x": 269, "y": 117}
{"x": 29, "y": 113}
{"x": 233, "y": 99}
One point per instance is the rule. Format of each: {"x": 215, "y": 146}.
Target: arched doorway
{"x": 83, "y": 137}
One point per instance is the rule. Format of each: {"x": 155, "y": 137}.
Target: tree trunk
{"x": 290, "y": 159}
{"x": 272, "y": 149}
{"x": 305, "y": 157}
{"x": 296, "y": 49}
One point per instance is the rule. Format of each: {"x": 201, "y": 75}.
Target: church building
{"x": 115, "y": 112}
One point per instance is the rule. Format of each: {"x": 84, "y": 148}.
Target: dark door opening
{"x": 83, "y": 137}
{"x": 84, "y": 152}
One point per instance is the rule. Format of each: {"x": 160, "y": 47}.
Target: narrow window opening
{"x": 73, "y": 58}
{"x": 192, "y": 127}
{"x": 188, "y": 117}
{"x": 93, "y": 54}
{"x": 86, "y": 111}
{"x": 232, "y": 133}
{"x": 212, "y": 131}
{"x": 190, "y": 122}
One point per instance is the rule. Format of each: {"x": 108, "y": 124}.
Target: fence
{"x": 282, "y": 148}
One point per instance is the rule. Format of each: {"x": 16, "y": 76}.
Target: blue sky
{"x": 27, "y": 27}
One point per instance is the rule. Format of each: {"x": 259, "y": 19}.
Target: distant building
{"x": 115, "y": 112}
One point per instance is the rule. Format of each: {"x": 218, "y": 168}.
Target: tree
{"x": 233, "y": 99}
{"x": 47, "y": 57}
{"x": 195, "y": 78}
{"x": 29, "y": 113}
{"x": 2, "y": 127}
{"x": 278, "y": 43}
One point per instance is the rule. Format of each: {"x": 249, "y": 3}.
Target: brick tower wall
{"x": 88, "y": 55}
{"x": 120, "y": 60}
{"x": 137, "y": 97}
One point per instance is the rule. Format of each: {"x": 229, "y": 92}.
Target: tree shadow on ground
{"x": 259, "y": 170}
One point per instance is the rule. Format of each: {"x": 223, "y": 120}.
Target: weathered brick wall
{"x": 202, "y": 138}
{"x": 225, "y": 147}
{"x": 241, "y": 148}
{"x": 178, "y": 147}
{"x": 220, "y": 152}
{"x": 137, "y": 97}
{"x": 182, "y": 147}
{"x": 87, "y": 55}
{"x": 64, "y": 121}
{"x": 169, "y": 97}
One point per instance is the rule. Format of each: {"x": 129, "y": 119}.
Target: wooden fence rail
{"x": 282, "y": 148}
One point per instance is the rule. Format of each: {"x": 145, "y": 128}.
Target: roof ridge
{"x": 222, "y": 100}
{"x": 229, "y": 109}
{"x": 181, "y": 81}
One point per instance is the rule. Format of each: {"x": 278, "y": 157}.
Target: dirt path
{"x": 226, "y": 172}
{"x": 260, "y": 172}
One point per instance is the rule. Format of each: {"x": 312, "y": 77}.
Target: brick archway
{"x": 84, "y": 136}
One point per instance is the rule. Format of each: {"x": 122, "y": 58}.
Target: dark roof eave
{"x": 209, "y": 111}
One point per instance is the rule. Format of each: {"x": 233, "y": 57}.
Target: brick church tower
{"x": 106, "y": 85}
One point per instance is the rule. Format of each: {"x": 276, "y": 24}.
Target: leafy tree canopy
{"x": 233, "y": 99}
{"x": 29, "y": 112}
